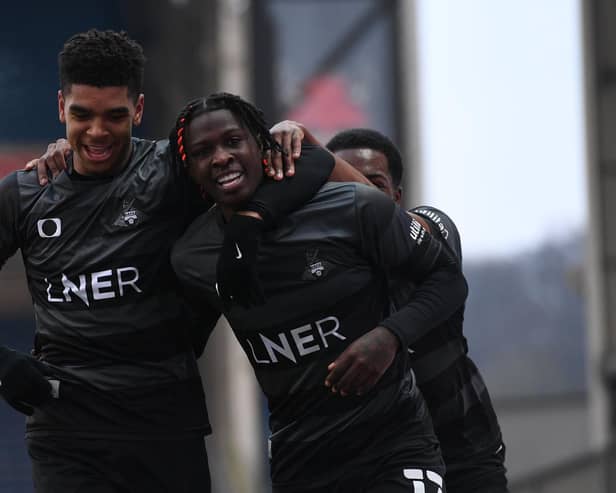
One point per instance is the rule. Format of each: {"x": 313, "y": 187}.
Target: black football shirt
{"x": 110, "y": 325}
{"x": 324, "y": 272}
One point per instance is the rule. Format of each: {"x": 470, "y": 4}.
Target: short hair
{"x": 249, "y": 116}
{"x": 102, "y": 59}
{"x": 366, "y": 138}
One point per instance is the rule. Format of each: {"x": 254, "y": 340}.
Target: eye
{"x": 81, "y": 116}
{"x": 201, "y": 152}
{"x": 234, "y": 141}
{"x": 380, "y": 185}
{"x": 118, "y": 117}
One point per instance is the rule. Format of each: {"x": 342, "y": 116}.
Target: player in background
{"x": 464, "y": 418}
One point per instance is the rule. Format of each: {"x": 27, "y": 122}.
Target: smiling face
{"x": 99, "y": 122}
{"x": 223, "y": 157}
{"x": 374, "y": 166}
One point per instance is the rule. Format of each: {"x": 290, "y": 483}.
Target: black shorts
{"x": 411, "y": 464}
{"x": 70, "y": 465}
{"x": 483, "y": 472}
{"x": 395, "y": 480}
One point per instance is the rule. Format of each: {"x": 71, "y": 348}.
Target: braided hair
{"x": 249, "y": 116}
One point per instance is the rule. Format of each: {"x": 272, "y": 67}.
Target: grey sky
{"x": 502, "y": 119}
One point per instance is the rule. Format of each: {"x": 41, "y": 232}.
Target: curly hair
{"x": 102, "y": 59}
{"x": 366, "y": 138}
{"x": 249, "y": 116}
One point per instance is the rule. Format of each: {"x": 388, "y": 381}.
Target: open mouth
{"x": 98, "y": 152}
{"x": 229, "y": 180}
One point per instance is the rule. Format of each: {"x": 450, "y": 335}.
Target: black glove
{"x": 22, "y": 383}
{"x": 236, "y": 271}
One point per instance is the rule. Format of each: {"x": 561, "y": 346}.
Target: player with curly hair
{"x": 112, "y": 390}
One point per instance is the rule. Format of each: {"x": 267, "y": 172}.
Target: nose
{"x": 221, "y": 156}
{"x": 97, "y": 128}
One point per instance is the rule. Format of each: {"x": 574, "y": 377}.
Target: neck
{"x": 227, "y": 212}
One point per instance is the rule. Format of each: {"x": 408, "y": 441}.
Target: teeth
{"x": 98, "y": 149}
{"x": 228, "y": 177}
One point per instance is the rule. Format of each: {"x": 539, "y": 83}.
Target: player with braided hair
{"x": 113, "y": 394}
{"x": 345, "y": 413}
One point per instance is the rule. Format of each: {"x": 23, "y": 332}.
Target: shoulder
{"x": 10, "y": 180}
{"x": 344, "y": 197}
{"x": 353, "y": 203}
{"x": 352, "y": 192}
{"x": 442, "y": 225}
{"x": 18, "y": 191}
{"x": 19, "y": 182}
{"x": 152, "y": 149}
{"x": 204, "y": 232}
{"x": 151, "y": 163}
{"x": 194, "y": 254}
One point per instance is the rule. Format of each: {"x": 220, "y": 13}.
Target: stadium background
{"x": 540, "y": 322}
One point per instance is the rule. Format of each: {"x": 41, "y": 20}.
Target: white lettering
{"x": 291, "y": 344}
{"x": 333, "y": 332}
{"x": 415, "y": 229}
{"x": 284, "y": 350}
{"x": 257, "y": 360}
{"x": 98, "y": 284}
{"x": 417, "y": 476}
{"x": 435, "y": 478}
{"x": 301, "y": 342}
{"x": 101, "y": 284}
{"x": 71, "y": 286}
{"x": 49, "y": 298}
{"x": 128, "y": 282}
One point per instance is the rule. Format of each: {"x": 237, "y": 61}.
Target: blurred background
{"x": 504, "y": 111}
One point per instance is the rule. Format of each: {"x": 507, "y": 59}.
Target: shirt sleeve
{"x": 398, "y": 244}
{"x": 274, "y": 199}
{"x": 201, "y": 324}
{"x": 442, "y": 227}
{"x": 189, "y": 257}
{"x": 9, "y": 218}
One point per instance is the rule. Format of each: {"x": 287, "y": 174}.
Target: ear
{"x": 398, "y": 196}
{"x": 61, "y": 103}
{"x": 138, "y": 110}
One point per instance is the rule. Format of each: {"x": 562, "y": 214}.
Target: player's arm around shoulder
{"x": 408, "y": 252}
{"x": 292, "y": 136}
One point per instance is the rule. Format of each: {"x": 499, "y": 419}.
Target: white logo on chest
{"x": 49, "y": 227}
{"x": 130, "y": 216}
{"x": 95, "y": 286}
{"x": 302, "y": 341}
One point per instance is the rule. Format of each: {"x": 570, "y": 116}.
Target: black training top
{"x": 324, "y": 272}
{"x": 461, "y": 409}
{"x": 110, "y": 324}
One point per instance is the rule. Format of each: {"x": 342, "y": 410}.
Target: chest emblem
{"x": 316, "y": 267}
{"x": 50, "y": 227}
{"x": 130, "y": 215}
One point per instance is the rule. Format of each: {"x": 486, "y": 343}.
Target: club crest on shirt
{"x": 130, "y": 216}
{"x": 316, "y": 268}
